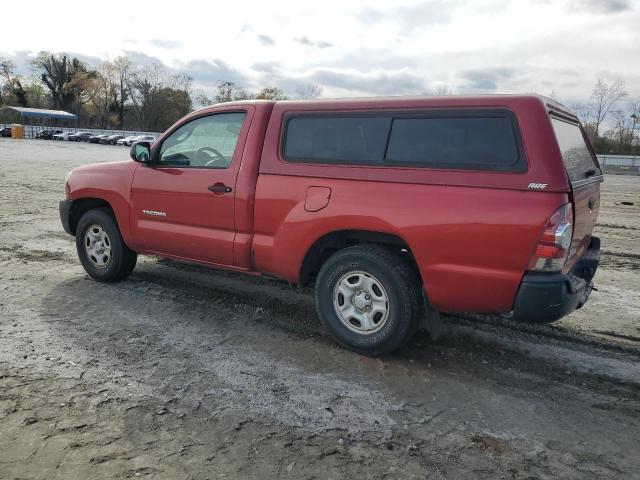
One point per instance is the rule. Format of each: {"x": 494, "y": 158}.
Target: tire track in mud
{"x": 620, "y": 260}
{"x": 19, "y": 252}
{"x": 540, "y": 348}
{"x": 617, "y": 226}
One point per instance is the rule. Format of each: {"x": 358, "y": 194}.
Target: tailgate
{"x": 585, "y": 177}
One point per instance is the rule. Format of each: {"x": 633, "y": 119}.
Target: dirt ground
{"x": 184, "y": 372}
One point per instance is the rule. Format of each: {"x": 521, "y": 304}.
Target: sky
{"x": 353, "y": 47}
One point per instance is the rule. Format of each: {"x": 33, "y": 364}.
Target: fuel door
{"x": 317, "y": 198}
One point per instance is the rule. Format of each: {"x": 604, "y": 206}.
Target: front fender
{"x": 110, "y": 182}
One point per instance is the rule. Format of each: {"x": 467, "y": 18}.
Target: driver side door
{"x": 182, "y": 205}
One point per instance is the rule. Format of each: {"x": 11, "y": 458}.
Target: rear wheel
{"x": 368, "y": 297}
{"x": 101, "y": 250}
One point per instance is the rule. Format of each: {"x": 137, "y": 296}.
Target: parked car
{"x": 47, "y": 134}
{"x": 394, "y": 209}
{"x": 80, "y": 136}
{"x": 96, "y": 138}
{"x": 138, "y": 138}
{"x": 5, "y": 132}
{"x": 144, "y": 138}
{"x": 111, "y": 139}
{"x": 126, "y": 141}
{"x": 61, "y": 136}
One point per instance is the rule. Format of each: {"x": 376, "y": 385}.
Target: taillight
{"x": 553, "y": 247}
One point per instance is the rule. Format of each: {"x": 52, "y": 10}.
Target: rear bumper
{"x": 546, "y": 297}
{"x": 65, "y": 215}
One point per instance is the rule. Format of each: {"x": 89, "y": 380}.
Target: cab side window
{"x": 206, "y": 142}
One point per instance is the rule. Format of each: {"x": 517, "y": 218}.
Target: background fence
{"x": 619, "y": 164}
{"x": 619, "y": 160}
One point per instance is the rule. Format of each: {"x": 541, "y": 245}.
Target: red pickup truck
{"x": 391, "y": 207}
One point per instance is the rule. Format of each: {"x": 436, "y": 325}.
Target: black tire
{"x": 402, "y": 288}
{"x": 121, "y": 259}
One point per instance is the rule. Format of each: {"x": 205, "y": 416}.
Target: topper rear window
{"x": 576, "y": 155}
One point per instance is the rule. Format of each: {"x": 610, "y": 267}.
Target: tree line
{"x": 117, "y": 94}
{"x": 122, "y": 95}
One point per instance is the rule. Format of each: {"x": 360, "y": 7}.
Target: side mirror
{"x": 141, "y": 152}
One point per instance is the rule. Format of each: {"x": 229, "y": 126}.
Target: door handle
{"x": 219, "y": 188}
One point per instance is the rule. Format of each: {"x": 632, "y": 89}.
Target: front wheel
{"x": 368, "y": 298}
{"x": 102, "y": 252}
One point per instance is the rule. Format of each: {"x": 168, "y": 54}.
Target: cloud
{"x": 410, "y": 18}
{"x": 373, "y": 48}
{"x": 485, "y": 80}
{"x": 88, "y": 59}
{"x": 600, "y": 6}
{"x": 383, "y": 82}
{"x": 164, "y": 43}
{"x": 304, "y": 40}
{"x": 210, "y": 72}
{"x": 205, "y": 72}
{"x": 21, "y": 59}
{"x": 266, "y": 40}
{"x": 141, "y": 58}
{"x": 265, "y": 67}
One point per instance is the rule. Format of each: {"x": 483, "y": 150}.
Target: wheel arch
{"x": 82, "y": 205}
{"x": 331, "y": 242}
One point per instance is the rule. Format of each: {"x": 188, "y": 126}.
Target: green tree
{"x": 36, "y": 95}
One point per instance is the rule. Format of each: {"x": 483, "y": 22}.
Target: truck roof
{"x": 494, "y": 100}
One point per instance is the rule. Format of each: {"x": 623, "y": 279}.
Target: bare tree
{"x": 6, "y": 69}
{"x": 103, "y": 93}
{"x": 442, "y": 91}
{"x": 144, "y": 85}
{"x": 123, "y": 68}
{"x": 605, "y": 96}
{"x": 13, "y": 84}
{"x": 621, "y": 133}
{"x": 200, "y": 98}
{"x": 230, "y": 92}
{"x": 159, "y": 98}
{"x": 309, "y": 91}
{"x": 634, "y": 115}
{"x": 271, "y": 93}
{"x": 583, "y": 112}
{"x": 67, "y": 79}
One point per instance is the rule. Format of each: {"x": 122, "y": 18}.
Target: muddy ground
{"x": 183, "y": 372}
